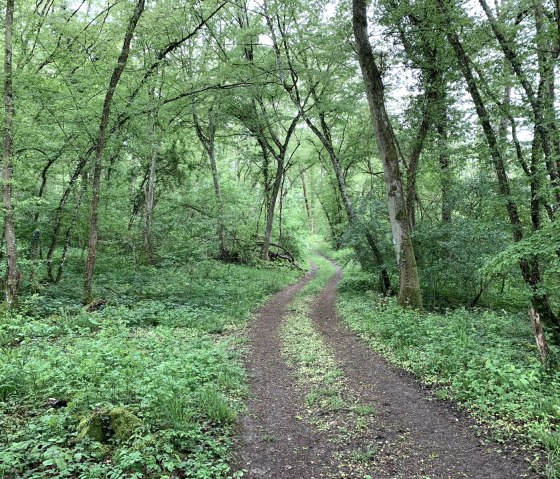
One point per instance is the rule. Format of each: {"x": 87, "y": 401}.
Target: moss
{"x": 94, "y": 426}
{"x": 123, "y": 423}
{"x": 103, "y": 425}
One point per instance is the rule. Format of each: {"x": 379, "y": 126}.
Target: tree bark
{"x": 307, "y": 201}
{"x": 444, "y": 164}
{"x": 100, "y": 149}
{"x": 68, "y": 234}
{"x": 409, "y": 291}
{"x": 150, "y": 195}
{"x": 271, "y": 206}
{"x": 12, "y": 273}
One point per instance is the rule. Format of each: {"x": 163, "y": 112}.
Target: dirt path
{"x": 414, "y": 435}
{"x": 418, "y": 436}
{"x": 274, "y": 443}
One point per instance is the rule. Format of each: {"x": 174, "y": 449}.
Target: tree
{"x": 530, "y": 268}
{"x": 100, "y": 148}
{"x": 12, "y": 275}
{"x": 409, "y": 288}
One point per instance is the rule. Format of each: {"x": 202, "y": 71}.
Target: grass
{"x": 329, "y": 403}
{"x": 316, "y": 367}
{"x": 166, "y": 348}
{"x": 483, "y": 359}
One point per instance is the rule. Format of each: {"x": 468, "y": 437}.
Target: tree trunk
{"x": 101, "y": 137}
{"x": 149, "y": 207}
{"x": 307, "y": 201}
{"x": 271, "y": 206}
{"x": 208, "y": 141}
{"x": 529, "y": 269}
{"x": 444, "y": 160}
{"x": 384, "y": 280}
{"x": 12, "y": 273}
{"x": 60, "y": 210}
{"x": 544, "y": 127}
{"x": 409, "y": 291}
{"x": 540, "y": 339}
{"x": 68, "y": 233}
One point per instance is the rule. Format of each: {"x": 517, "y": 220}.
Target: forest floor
{"x": 323, "y": 404}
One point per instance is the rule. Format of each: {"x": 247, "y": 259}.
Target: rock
{"x": 56, "y": 403}
{"x": 123, "y": 423}
{"x": 103, "y": 425}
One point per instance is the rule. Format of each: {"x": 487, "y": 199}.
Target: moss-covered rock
{"x": 95, "y": 426}
{"x": 123, "y": 423}
{"x": 104, "y": 424}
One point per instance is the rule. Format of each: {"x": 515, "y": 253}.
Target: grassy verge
{"x": 485, "y": 360}
{"x": 329, "y": 404}
{"x": 148, "y": 386}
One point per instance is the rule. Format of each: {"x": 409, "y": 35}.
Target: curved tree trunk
{"x": 409, "y": 290}
{"x": 101, "y": 137}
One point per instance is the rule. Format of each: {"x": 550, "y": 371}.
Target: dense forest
{"x": 169, "y": 165}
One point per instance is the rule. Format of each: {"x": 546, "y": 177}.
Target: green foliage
{"x": 450, "y": 258}
{"x": 486, "y": 360}
{"x": 148, "y": 386}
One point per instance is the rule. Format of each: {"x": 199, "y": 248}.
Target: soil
{"x": 413, "y": 435}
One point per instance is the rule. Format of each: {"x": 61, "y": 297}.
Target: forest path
{"x": 274, "y": 443}
{"x": 411, "y": 436}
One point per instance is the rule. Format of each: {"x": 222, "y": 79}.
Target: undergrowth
{"x": 164, "y": 348}
{"x": 486, "y": 360}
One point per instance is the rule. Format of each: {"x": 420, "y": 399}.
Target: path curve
{"x": 421, "y": 437}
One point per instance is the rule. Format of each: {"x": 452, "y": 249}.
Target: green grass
{"x": 329, "y": 403}
{"x": 316, "y": 367}
{"x": 166, "y": 347}
{"x": 486, "y": 360}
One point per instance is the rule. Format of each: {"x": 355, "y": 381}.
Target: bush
{"x": 486, "y": 360}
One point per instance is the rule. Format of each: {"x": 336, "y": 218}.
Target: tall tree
{"x": 100, "y": 148}
{"x": 529, "y": 267}
{"x": 409, "y": 288}
{"x": 12, "y": 274}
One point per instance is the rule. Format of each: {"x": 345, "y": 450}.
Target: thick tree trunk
{"x": 12, "y": 273}
{"x": 101, "y": 137}
{"x": 271, "y": 207}
{"x": 409, "y": 291}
